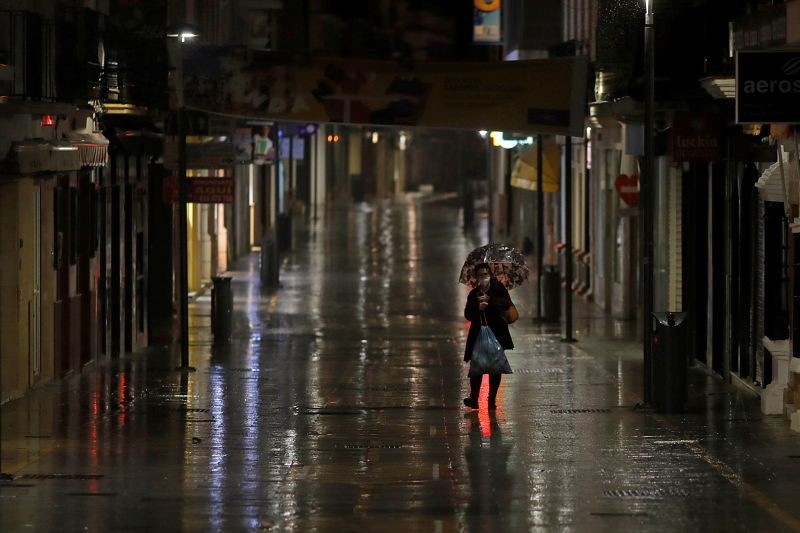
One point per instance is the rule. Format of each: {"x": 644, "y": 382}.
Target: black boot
{"x": 494, "y": 386}
{"x": 474, "y": 392}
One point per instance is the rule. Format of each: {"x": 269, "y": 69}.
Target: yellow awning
{"x": 524, "y": 174}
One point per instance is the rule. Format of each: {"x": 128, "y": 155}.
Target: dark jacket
{"x": 499, "y": 301}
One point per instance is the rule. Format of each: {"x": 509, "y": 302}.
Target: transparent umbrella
{"x": 506, "y": 262}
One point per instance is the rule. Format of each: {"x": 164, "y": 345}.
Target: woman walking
{"x": 487, "y": 304}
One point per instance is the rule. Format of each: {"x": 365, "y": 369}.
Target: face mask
{"x": 484, "y": 281}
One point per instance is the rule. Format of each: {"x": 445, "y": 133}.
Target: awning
{"x": 524, "y": 175}
{"x": 770, "y": 188}
{"x": 64, "y": 156}
{"x": 27, "y": 157}
{"x": 35, "y": 156}
{"x": 92, "y": 148}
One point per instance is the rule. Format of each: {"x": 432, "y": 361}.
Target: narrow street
{"x": 337, "y": 407}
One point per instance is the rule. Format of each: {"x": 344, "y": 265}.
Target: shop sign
{"x": 628, "y": 189}
{"x": 486, "y": 22}
{"x": 202, "y": 190}
{"x": 767, "y": 87}
{"x": 696, "y": 137}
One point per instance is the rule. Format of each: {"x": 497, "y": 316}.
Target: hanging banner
{"x": 540, "y": 96}
{"x": 486, "y": 22}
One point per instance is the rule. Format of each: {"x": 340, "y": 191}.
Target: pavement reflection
{"x": 336, "y": 406}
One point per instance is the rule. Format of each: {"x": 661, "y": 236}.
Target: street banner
{"x": 767, "y": 87}
{"x": 540, "y": 96}
{"x": 202, "y": 190}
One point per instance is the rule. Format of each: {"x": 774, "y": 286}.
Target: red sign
{"x": 202, "y": 190}
{"x": 628, "y": 189}
{"x": 696, "y": 137}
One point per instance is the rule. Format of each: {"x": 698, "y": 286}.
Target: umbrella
{"x": 506, "y": 262}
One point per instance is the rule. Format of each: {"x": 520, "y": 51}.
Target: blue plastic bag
{"x": 488, "y": 356}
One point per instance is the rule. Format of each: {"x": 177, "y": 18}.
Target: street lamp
{"x": 647, "y": 186}
{"x": 178, "y": 35}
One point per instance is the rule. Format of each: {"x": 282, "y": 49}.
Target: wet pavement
{"x": 337, "y": 407}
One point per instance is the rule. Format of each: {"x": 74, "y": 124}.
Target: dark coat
{"x": 499, "y": 301}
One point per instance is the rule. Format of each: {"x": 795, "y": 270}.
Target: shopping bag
{"x": 488, "y": 356}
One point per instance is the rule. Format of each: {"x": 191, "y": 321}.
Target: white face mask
{"x": 484, "y": 281}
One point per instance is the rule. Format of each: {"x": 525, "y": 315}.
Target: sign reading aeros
{"x": 767, "y": 87}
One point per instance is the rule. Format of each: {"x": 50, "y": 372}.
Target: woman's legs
{"x": 475, "y": 387}
{"x": 474, "y": 392}
{"x": 494, "y": 385}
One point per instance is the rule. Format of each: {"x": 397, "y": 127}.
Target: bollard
{"x": 550, "y": 298}
{"x": 221, "y": 307}
{"x": 270, "y": 263}
{"x": 670, "y": 365}
{"x": 283, "y": 232}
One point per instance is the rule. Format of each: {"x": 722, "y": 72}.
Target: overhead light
{"x": 375, "y": 137}
{"x": 183, "y": 36}
{"x": 482, "y": 133}
{"x": 183, "y": 32}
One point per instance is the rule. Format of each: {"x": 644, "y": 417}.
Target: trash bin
{"x": 221, "y": 307}
{"x": 270, "y": 263}
{"x": 550, "y": 298}
{"x": 357, "y": 187}
{"x": 283, "y": 232}
{"x": 669, "y": 361}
